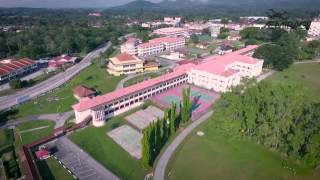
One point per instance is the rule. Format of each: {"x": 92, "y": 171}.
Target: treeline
{"x": 280, "y": 117}
{"x": 62, "y": 32}
{"x": 282, "y": 40}
{"x": 157, "y": 133}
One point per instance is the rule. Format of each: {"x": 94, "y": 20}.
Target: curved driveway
{"x": 164, "y": 159}
{"x": 53, "y": 82}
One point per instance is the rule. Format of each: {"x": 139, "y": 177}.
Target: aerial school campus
{"x": 171, "y": 99}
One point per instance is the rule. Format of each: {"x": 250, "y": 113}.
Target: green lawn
{"x": 94, "y": 77}
{"x": 33, "y": 135}
{"x": 141, "y": 78}
{"x": 50, "y": 169}
{"x": 6, "y": 137}
{"x": 215, "y": 156}
{"x": 97, "y": 143}
{"x": 306, "y": 75}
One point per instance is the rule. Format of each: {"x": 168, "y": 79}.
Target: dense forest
{"x": 280, "y": 117}
{"x": 43, "y": 33}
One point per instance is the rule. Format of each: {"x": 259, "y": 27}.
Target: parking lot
{"x": 79, "y": 162}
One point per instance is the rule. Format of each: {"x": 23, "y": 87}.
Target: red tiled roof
{"x": 214, "y": 64}
{"x": 89, "y": 103}
{"x": 42, "y": 154}
{"x": 147, "y": 44}
{"x": 125, "y": 57}
{"x": 7, "y": 68}
{"x": 82, "y": 91}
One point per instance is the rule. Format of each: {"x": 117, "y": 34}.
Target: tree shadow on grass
{"x": 115, "y": 125}
{"x": 44, "y": 170}
{"x": 7, "y": 115}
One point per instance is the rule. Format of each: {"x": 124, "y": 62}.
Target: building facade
{"x": 159, "y": 45}
{"x": 314, "y": 29}
{"x": 172, "y": 32}
{"x": 12, "y": 68}
{"x": 130, "y": 46}
{"x": 217, "y": 73}
{"x": 124, "y": 63}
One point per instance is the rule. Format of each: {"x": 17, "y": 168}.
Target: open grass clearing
{"x": 34, "y": 130}
{"x": 306, "y": 75}
{"x": 61, "y": 99}
{"x": 220, "y": 157}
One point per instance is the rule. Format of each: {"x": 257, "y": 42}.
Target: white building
{"x": 172, "y": 20}
{"x": 155, "y": 46}
{"x": 170, "y": 43}
{"x": 130, "y": 46}
{"x": 218, "y": 73}
{"x": 172, "y": 32}
{"x": 150, "y": 48}
{"x": 314, "y": 29}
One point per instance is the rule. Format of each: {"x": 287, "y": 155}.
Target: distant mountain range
{"x": 188, "y": 4}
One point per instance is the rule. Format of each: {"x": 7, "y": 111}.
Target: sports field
{"x": 202, "y": 98}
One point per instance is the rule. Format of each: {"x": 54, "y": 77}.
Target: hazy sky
{"x": 63, "y": 3}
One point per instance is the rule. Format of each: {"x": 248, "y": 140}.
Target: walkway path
{"x": 164, "y": 159}
{"x": 58, "y": 118}
{"x": 80, "y": 163}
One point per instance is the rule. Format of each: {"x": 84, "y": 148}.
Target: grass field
{"x": 306, "y": 75}
{"x": 101, "y": 147}
{"x": 50, "y": 169}
{"x": 62, "y": 98}
{"x": 141, "y": 78}
{"x": 27, "y": 135}
{"x": 214, "y": 156}
{"x": 7, "y": 155}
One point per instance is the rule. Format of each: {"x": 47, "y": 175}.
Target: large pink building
{"x": 218, "y": 73}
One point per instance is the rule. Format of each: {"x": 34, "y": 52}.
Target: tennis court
{"x": 142, "y": 118}
{"x": 202, "y": 98}
{"x": 128, "y": 138}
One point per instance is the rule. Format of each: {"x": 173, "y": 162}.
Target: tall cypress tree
{"x": 173, "y": 124}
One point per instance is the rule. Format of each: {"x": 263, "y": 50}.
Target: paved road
{"x": 164, "y": 159}
{"x": 53, "y": 82}
{"x": 33, "y": 75}
{"x": 307, "y": 62}
{"x": 58, "y": 118}
{"x": 80, "y": 163}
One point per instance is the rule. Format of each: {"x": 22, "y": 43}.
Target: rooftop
{"x": 213, "y": 64}
{"x": 8, "y": 66}
{"x": 83, "y": 91}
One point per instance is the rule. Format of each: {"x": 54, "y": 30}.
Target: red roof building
{"x": 12, "y": 68}
{"x": 42, "y": 154}
{"x": 60, "y": 61}
{"x": 82, "y": 91}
